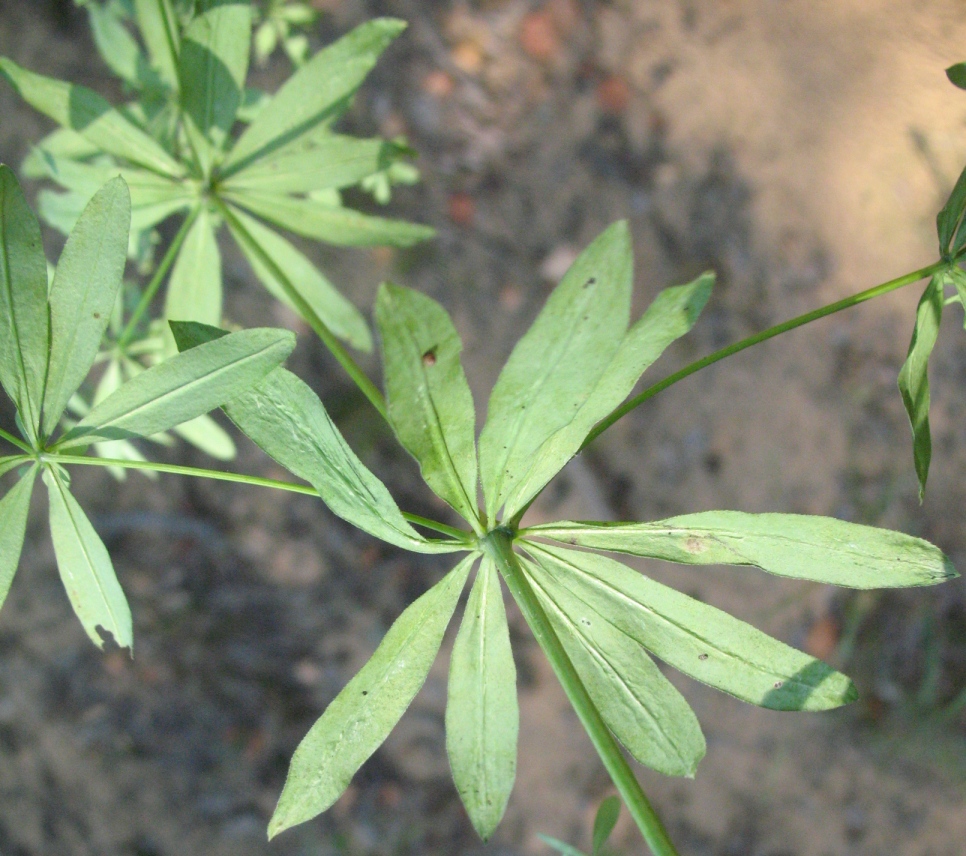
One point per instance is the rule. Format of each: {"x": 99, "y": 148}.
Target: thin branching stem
{"x": 159, "y": 274}
{"x": 329, "y": 339}
{"x": 241, "y": 478}
{"x": 498, "y": 544}
{"x": 757, "y": 338}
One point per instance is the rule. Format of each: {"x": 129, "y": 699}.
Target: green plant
{"x": 566, "y": 381}
{"x": 175, "y": 149}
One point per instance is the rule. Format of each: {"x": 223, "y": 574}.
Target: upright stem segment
{"x": 329, "y": 339}
{"x": 757, "y": 338}
{"x": 498, "y": 544}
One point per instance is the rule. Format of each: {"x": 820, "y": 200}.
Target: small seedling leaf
{"x": 555, "y": 367}
{"x": 332, "y": 224}
{"x": 85, "y": 567}
{"x": 790, "y": 545}
{"x": 183, "y": 387}
{"x": 117, "y": 47}
{"x": 86, "y": 112}
{"x": 286, "y": 419}
{"x": 316, "y": 93}
{"x": 430, "y": 404}
{"x": 696, "y": 638}
{"x": 13, "y": 527}
{"x": 195, "y": 287}
{"x": 25, "y": 334}
{"x": 360, "y": 717}
{"x": 83, "y": 294}
{"x": 638, "y": 704}
{"x": 914, "y": 377}
{"x": 604, "y": 822}
{"x": 671, "y": 315}
{"x": 482, "y": 717}
{"x": 338, "y": 313}
{"x": 957, "y": 74}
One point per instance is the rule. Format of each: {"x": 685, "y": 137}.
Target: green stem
{"x": 498, "y": 544}
{"x": 238, "y": 478}
{"x": 757, "y": 338}
{"x": 329, "y": 339}
{"x": 16, "y": 442}
{"x": 159, "y": 274}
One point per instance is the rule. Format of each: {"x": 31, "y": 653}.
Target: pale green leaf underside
{"x": 482, "y": 716}
{"x": 204, "y": 433}
{"x": 338, "y": 313}
{"x": 286, "y": 419}
{"x": 314, "y": 92}
{"x": 24, "y": 329}
{"x": 194, "y": 290}
{"x": 640, "y": 706}
{"x": 331, "y": 224}
{"x": 360, "y": 717}
{"x": 695, "y": 638}
{"x": 183, "y": 387}
{"x": 671, "y": 315}
{"x": 430, "y": 404}
{"x": 86, "y": 112}
{"x": 85, "y": 567}
{"x": 13, "y": 527}
{"x": 604, "y": 822}
{"x": 556, "y": 365}
{"x": 791, "y": 545}
{"x": 83, "y": 294}
{"x": 914, "y": 377}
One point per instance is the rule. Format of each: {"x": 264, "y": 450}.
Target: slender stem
{"x": 329, "y": 339}
{"x": 239, "y": 478}
{"x": 498, "y": 544}
{"x": 757, "y": 338}
{"x": 436, "y": 526}
{"x": 159, "y": 274}
{"x": 16, "y": 442}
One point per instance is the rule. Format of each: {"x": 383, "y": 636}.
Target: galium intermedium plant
{"x": 598, "y": 621}
{"x": 176, "y": 147}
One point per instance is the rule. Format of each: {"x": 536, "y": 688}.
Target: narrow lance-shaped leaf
{"x": 86, "y": 112}
{"x": 117, "y": 47}
{"x": 914, "y": 377}
{"x": 158, "y": 25}
{"x": 13, "y": 527}
{"x": 212, "y": 66}
{"x": 671, "y": 315}
{"x": 286, "y": 419}
{"x": 554, "y": 368}
{"x": 604, "y": 822}
{"x": 691, "y": 636}
{"x": 315, "y": 162}
{"x": 791, "y": 545}
{"x": 83, "y": 294}
{"x": 430, "y": 404}
{"x": 334, "y": 225}
{"x": 315, "y": 92}
{"x": 194, "y": 290}
{"x": 338, "y": 313}
{"x": 360, "y": 717}
{"x": 183, "y": 387}
{"x": 24, "y": 326}
{"x": 85, "y": 567}
{"x": 482, "y": 717}
{"x": 638, "y": 704}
